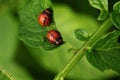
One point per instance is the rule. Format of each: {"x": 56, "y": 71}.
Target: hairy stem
{"x": 80, "y": 52}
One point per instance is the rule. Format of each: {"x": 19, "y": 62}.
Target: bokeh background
{"x": 27, "y": 63}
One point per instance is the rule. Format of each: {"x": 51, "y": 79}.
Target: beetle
{"x": 54, "y": 37}
{"x": 46, "y": 17}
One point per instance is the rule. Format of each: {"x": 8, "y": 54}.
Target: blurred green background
{"x": 27, "y": 63}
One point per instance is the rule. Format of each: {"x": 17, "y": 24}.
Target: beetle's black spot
{"x": 45, "y": 21}
{"x": 119, "y": 39}
{"x": 49, "y": 13}
{"x": 59, "y": 40}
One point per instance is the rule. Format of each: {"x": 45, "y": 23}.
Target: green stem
{"x": 80, "y": 52}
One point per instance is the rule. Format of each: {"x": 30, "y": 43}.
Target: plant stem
{"x": 80, "y": 52}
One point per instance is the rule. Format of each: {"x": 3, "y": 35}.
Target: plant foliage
{"x": 32, "y": 33}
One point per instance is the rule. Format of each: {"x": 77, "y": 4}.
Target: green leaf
{"x": 30, "y": 31}
{"x": 115, "y": 16}
{"x": 116, "y": 7}
{"x": 68, "y": 22}
{"x": 103, "y": 15}
{"x": 81, "y": 34}
{"x": 102, "y": 5}
{"x": 105, "y": 54}
{"x": 4, "y": 75}
{"x": 22, "y": 4}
